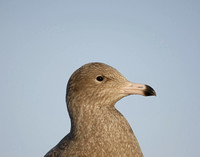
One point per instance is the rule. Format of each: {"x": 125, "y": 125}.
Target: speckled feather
{"x": 97, "y": 128}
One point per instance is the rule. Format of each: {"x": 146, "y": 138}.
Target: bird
{"x": 98, "y": 129}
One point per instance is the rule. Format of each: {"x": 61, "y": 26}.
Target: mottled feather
{"x": 98, "y": 129}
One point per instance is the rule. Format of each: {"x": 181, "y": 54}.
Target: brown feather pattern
{"x": 98, "y": 129}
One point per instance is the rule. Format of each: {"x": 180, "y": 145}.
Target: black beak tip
{"x": 149, "y": 91}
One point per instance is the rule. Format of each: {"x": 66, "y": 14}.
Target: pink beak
{"x": 138, "y": 89}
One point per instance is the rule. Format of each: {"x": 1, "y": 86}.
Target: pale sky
{"x": 151, "y": 42}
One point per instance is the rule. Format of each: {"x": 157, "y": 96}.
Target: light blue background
{"x": 151, "y": 42}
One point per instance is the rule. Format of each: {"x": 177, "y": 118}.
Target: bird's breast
{"x": 106, "y": 132}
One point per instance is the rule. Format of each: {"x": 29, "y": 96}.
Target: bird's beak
{"x": 138, "y": 89}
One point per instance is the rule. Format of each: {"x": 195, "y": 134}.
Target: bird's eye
{"x": 99, "y": 78}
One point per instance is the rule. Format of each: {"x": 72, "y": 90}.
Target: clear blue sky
{"x": 151, "y": 42}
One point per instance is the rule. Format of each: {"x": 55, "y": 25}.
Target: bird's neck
{"x": 89, "y": 120}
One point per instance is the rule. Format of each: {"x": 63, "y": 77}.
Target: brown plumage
{"x": 97, "y": 128}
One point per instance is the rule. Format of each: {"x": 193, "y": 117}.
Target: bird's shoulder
{"x": 60, "y": 147}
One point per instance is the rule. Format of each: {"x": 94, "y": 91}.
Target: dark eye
{"x": 99, "y": 78}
